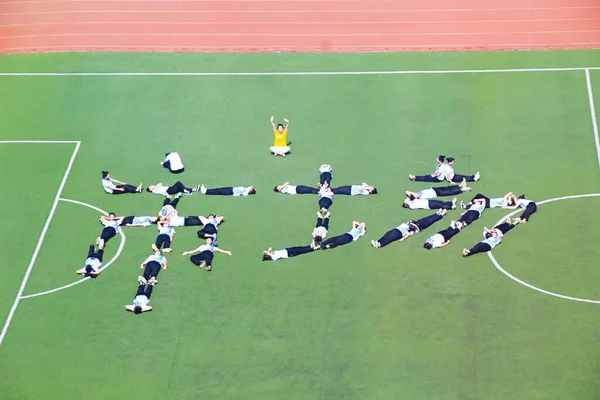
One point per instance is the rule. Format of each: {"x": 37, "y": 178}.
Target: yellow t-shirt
{"x": 280, "y": 138}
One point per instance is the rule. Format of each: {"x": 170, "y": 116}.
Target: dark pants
{"x": 345, "y": 190}
{"x": 301, "y": 189}
{"x": 324, "y": 222}
{"x": 144, "y": 290}
{"x": 426, "y": 222}
{"x": 167, "y": 165}
{"x": 298, "y": 250}
{"x": 336, "y": 241}
{"x": 469, "y": 217}
{"x": 206, "y": 256}
{"x": 435, "y": 204}
{"x": 530, "y": 209}
{"x": 390, "y": 236}
{"x": 207, "y": 230}
{"x": 325, "y": 202}
{"x": 128, "y": 189}
{"x": 479, "y": 248}
{"x": 480, "y": 196}
{"x": 224, "y": 191}
{"x": 108, "y": 233}
{"x": 505, "y": 227}
{"x": 152, "y": 269}
{"x": 459, "y": 178}
{"x": 170, "y": 202}
{"x": 96, "y": 254}
{"x": 127, "y": 220}
{"x": 449, "y": 233}
{"x": 452, "y": 190}
{"x": 178, "y": 187}
{"x": 163, "y": 241}
{"x": 427, "y": 178}
{"x": 325, "y": 178}
{"x": 191, "y": 221}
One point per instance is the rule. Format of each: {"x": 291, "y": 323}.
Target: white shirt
{"x": 325, "y": 168}
{"x": 327, "y": 194}
{"x": 114, "y": 223}
{"x": 523, "y": 203}
{"x": 359, "y": 190}
{"x": 356, "y": 233}
{"x": 142, "y": 221}
{"x": 497, "y": 202}
{"x": 165, "y": 230}
{"x": 94, "y": 263}
{"x": 241, "y": 191}
{"x": 436, "y": 240}
{"x": 447, "y": 172}
{"x": 277, "y": 254}
{"x": 108, "y": 185}
{"x": 157, "y": 258}
{"x": 290, "y": 189}
{"x": 176, "y": 220}
{"x": 207, "y": 247}
{"x": 404, "y": 229}
{"x": 167, "y": 210}
{"x": 418, "y": 204}
{"x": 320, "y": 231}
{"x": 427, "y": 194}
{"x": 160, "y": 189}
{"x": 141, "y": 301}
{"x": 492, "y": 241}
{"x": 175, "y": 161}
{"x": 477, "y": 207}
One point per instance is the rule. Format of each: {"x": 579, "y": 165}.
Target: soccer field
{"x": 355, "y": 322}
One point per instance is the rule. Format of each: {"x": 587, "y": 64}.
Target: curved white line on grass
{"x": 530, "y": 286}
{"x": 112, "y": 260}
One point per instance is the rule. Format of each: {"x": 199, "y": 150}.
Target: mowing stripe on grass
{"x": 40, "y": 240}
{"x": 588, "y": 81}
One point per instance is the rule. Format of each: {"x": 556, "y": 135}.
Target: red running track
{"x": 296, "y": 25}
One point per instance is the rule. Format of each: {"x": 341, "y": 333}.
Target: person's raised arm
{"x": 273, "y": 123}
{"x": 218, "y": 250}
{"x": 165, "y": 265}
{"x": 287, "y": 123}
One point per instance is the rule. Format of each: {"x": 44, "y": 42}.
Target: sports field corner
{"x": 355, "y": 322}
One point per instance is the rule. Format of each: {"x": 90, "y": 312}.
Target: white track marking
{"x": 39, "y": 243}
{"x": 480, "y": 21}
{"x": 39, "y": 141}
{"x": 305, "y": 73}
{"x": 588, "y": 81}
{"x": 268, "y": 11}
{"x": 112, "y": 260}
{"x": 283, "y": 34}
{"x": 530, "y": 286}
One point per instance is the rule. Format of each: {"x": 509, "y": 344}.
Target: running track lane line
{"x": 42, "y": 236}
{"x": 588, "y": 81}
{"x": 305, "y": 73}
{"x": 112, "y": 260}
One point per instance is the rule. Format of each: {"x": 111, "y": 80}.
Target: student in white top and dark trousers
{"x": 173, "y": 163}
{"x": 438, "y": 176}
{"x": 108, "y": 183}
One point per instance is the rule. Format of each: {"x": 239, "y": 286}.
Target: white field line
{"x": 528, "y": 285}
{"x": 588, "y": 81}
{"x": 39, "y": 243}
{"x": 112, "y": 260}
{"x": 479, "y": 21}
{"x": 39, "y": 141}
{"x": 287, "y": 1}
{"x": 305, "y": 73}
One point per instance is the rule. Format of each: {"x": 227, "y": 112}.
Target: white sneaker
{"x": 506, "y": 220}
{"x": 152, "y": 281}
{"x": 202, "y": 189}
{"x": 441, "y": 212}
{"x": 154, "y": 247}
{"x": 411, "y": 177}
{"x": 167, "y": 250}
{"x": 98, "y": 241}
{"x": 327, "y": 215}
{"x": 319, "y": 215}
{"x": 197, "y": 188}
{"x": 465, "y": 252}
{"x": 453, "y": 224}
{"x": 101, "y": 244}
{"x": 454, "y": 203}
{"x": 375, "y": 244}
{"x": 477, "y": 176}
{"x": 168, "y": 196}
{"x": 142, "y": 280}
{"x": 462, "y": 205}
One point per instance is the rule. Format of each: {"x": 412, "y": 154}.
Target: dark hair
{"x": 104, "y": 174}
{"x": 209, "y": 215}
{"x": 275, "y": 189}
{"x": 279, "y": 125}
{"x": 522, "y": 196}
{"x": 148, "y": 189}
{"x": 441, "y": 157}
{"x": 318, "y": 239}
{"x": 404, "y": 205}
{"x": 109, "y": 214}
{"x": 428, "y": 245}
{"x": 512, "y": 202}
{"x": 488, "y": 235}
{"x": 88, "y": 269}
{"x": 266, "y": 257}
{"x": 137, "y": 309}
{"x": 413, "y": 227}
{"x": 374, "y": 191}
{"x": 252, "y": 191}
{"x": 450, "y": 159}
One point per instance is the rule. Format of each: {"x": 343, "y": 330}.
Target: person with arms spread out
{"x": 280, "y": 145}
{"x": 202, "y": 256}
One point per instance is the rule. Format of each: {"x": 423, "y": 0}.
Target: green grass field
{"x": 351, "y": 323}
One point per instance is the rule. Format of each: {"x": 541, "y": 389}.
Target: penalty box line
{"x": 44, "y": 229}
